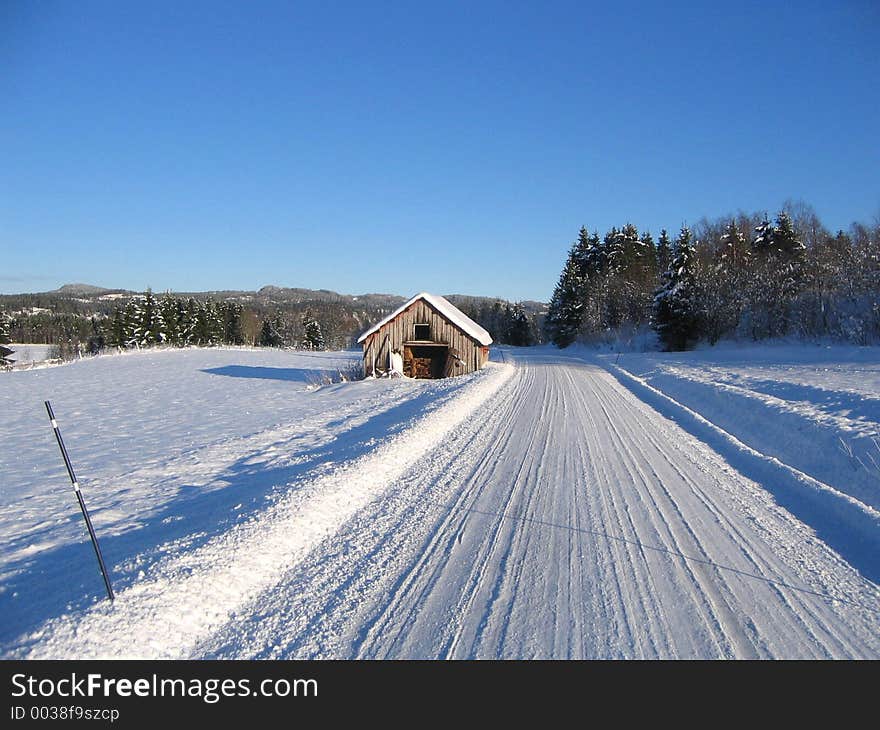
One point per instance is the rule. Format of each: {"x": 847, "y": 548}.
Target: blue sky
{"x": 398, "y": 147}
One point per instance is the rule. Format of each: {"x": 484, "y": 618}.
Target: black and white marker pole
{"x": 82, "y": 503}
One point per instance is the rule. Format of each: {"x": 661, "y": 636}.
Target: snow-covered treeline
{"x": 171, "y": 320}
{"x": 740, "y": 276}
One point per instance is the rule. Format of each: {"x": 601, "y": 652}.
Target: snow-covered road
{"x": 541, "y": 511}
{"x": 565, "y": 519}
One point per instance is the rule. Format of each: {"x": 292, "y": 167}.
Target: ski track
{"x": 564, "y": 519}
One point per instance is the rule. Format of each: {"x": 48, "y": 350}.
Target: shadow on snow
{"x": 298, "y": 375}
{"x": 66, "y": 579}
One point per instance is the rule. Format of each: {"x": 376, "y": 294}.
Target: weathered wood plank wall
{"x": 393, "y": 334}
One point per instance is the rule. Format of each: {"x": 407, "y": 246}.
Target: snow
{"x": 816, "y": 408}
{"x": 567, "y": 521}
{"x": 28, "y": 354}
{"x": 197, "y": 466}
{"x": 572, "y": 505}
{"x": 447, "y": 309}
{"x": 788, "y": 458}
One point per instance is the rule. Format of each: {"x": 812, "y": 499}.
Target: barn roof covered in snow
{"x": 447, "y": 310}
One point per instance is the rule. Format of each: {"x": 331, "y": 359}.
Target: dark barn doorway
{"x": 425, "y": 361}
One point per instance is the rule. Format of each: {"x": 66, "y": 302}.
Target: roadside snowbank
{"x": 802, "y": 421}
{"x": 816, "y": 409}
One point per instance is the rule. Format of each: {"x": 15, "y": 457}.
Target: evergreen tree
{"x": 593, "y": 265}
{"x": 664, "y": 252}
{"x": 97, "y": 340}
{"x": 215, "y": 319}
{"x": 208, "y": 329}
{"x": 5, "y": 328}
{"x": 118, "y": 336}
{"x": 133, "y": 321}
{"x": 582, "y": 252}
{"x": 566, "y": 309}
{"x": 785, "y": 240}
{"x": 520, "y": 332}
{"x": 169, "y": 320}
{"x": 5, "y": 339}
{"x": 313, "y": 339}
{"x": 202, "y": 326}
{"x": 636, "y": 280}
{"x": 649, "y": 257}
{"x": 595, "y": 260}
{"x": 631, "y": 246}
{"x": 266, "y": 338}
{"x": 270, "y": 334}
{"x": 779, "y": 276}
{"x": 624, "y": 300}
{"x": 151, "y": 324}
{"x": 723, "y": 285}
{"x": 507, "y": 324}
{"x": 232, "y": 324}
{"x": 612, "y": 245}
{"x": 780, "y": 240}
{"x": 642, "y": 279}
{"x": 676, "y": 316}
{"x": 283, "y": 331}
{"x": 189, "y": 322}
{"x": 763, "y": 240}
{"x": 497, "y": 322}
{"x": 789, "y": 278}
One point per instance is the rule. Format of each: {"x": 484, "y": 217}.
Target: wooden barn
{"x": 426, "y": 338}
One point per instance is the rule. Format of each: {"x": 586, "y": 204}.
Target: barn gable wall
{"x": 394, "y": 333}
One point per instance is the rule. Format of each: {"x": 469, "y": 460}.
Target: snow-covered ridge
{"x": 188, "y": 596}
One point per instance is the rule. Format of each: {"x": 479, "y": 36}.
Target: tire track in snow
{"x": 627, "y": 506}
{"x": 488, "y": 550}
{"x": 717, "y": 614}
{"x": 503, "y": 586}
{"x": 794, "y": 598}
{"x": 790, "y": 595}
{"x": 677, "y": 519}
{"x": 312, "y": 613}
{"x": 849, "y": 525}
{"x": 610, "y": 506}
{"x": 410, "y": 595}
{"x": 605, "y": 484}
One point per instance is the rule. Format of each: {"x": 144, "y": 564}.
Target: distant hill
{"x": 267, "y": 295}
{"x": 79, "y": 290}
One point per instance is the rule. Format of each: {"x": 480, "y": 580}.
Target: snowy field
{"x": 719, "y": 503}
{"x": 26, "y": 355}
